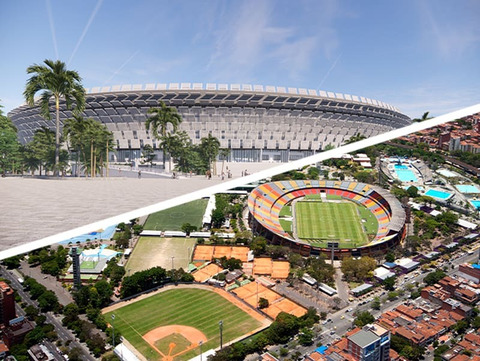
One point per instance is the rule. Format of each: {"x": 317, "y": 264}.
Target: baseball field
{"x": 169, "y": 325}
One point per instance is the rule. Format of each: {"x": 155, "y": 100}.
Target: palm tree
{"x": 43, "y": 145}
{"x": 210, "y": 147}
{"x": 224, "y": 153}
{"x": 54, "y": 80}
{"x": 424, "y": 117}
{"x": 158, "y": 123}
{"x": 74, "y": 132}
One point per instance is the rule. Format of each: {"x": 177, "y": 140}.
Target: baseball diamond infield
{"x": 168, "y": 325}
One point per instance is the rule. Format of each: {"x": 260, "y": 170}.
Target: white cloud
{"x": 249, "y": 39}
{"x": 450, "y": 36}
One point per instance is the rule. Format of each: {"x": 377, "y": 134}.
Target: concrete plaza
{"x": 34, "y": 208}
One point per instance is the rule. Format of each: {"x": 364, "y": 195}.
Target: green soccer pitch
{"x": 173, "y": 218}
{"x": 321, "y": 222}
{"x": 198, "y": 308}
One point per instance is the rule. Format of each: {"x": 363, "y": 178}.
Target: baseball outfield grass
{"x": 198, "y": 308}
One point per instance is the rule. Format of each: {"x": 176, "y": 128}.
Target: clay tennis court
{"x": 280, "y": 269}
{"x": 203, "y": 253}
{"x": 206, "y": 253}
{"x": 262, "y": 266}
{"x": 206, "y": 272}
{"x": 253, "y": 291}
{"x": 268, "y": 267}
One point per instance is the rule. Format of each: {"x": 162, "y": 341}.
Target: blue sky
{"x": 417, "y": 55}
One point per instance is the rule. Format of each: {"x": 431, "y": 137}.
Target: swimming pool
{"x": 101, "y": 234}
{"x": 476, "y": 204}
{"x": 467, "y": 188}
{"x": 438, "y": 194}
{"x": 404, "y": 173}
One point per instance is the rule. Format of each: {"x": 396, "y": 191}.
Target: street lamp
{"x": 220, "y": 325}
{"x": 200, "y": 343}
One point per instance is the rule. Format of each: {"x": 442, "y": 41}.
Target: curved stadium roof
{"x": 240, "y": 116}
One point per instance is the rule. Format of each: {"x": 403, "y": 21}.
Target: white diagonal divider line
{"x": 285, "y": 167}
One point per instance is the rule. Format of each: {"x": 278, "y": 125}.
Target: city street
{"x": 63, "y": 333}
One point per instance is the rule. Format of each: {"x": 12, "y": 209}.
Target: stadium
{"x": 307, "y": 216}
{"x": 254, "y": 122}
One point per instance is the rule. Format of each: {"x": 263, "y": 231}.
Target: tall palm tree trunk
{"x": 91, "y": 159}
{"x": 57, "y": 136}
{"x": 106, "y": 157}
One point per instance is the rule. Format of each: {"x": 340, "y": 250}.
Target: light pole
{"x": 113, "y": 331}
{"x": 172, "y": 262}
{"x": 200, "y": 343}
{"x": 220, "y": 325}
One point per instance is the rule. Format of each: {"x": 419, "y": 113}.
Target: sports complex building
{"x": 256, "y": 123}
{"x": 306, "y": 216}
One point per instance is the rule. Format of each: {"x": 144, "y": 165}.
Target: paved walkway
{"x": 33, "y": 209}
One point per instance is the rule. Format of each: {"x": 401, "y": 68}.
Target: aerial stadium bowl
{"x": 267, "y": 218}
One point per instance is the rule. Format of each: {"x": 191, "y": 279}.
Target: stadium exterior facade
{"x": 266, "y": 201}
{"x": 256, "y": 123}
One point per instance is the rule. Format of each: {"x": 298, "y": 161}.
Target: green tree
{"x": 263, "y": 303}
{"x": 434, "y": 277}
{"x": 376, "y": 303}
{"x": 158, "y": 121}
{"x": 390, "y": 257}
{"x": 412, "y": 191}
{"x": 9, "y": 146}
{"x": 48, "y": 301}
{"x": 224, "y": 153}
{"x": 364, "y": 318}
{"x": 54, "y": 80}
{"x": 305, "y": 337}
{"x": 258, "y": 245}
{"x": 210, "y": 147}
{"x": 389, "y": 283}
{"x": 188, "y": 228}
{"x": 12, "y": 262}
{"x": 148, "y": 154}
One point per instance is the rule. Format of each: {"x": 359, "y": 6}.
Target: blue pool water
{"x": 476, "y": 204}
{"x": 106, "y": 234}
{"x": 467, "y": 188}
{"x": 437, "y": 194}
{"x": 405, "y": 174}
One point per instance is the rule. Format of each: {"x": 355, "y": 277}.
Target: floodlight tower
{"x": 76, "y": 268}
{"x": 220, "y": 325}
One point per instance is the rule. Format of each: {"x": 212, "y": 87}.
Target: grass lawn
{"x": 286, "y": 211}
{"x": 334, "y": 197}
{"x": 173, "y": 218}
{"x": 316, "y": 197}
{"x": 201, "y": 309}
{"x": 371, "y": 223}
{"x": 286, "y": 225}
{"x": 158, "y": 251}
{"x": 320, "y": 222}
